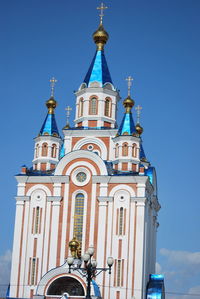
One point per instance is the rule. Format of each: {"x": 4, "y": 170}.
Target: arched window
{"x": 108, "y": 107}
{"x": 80, "y": 110}
{"x": 53, "y": 151}
{"x": 68, "y": 285}
{"x": 119, "y": 270}
{"x": 44, "y": 149}
{"x": 78, "y": 216}
{"x": 134, "y": 150}
{"x": 121, "y": 221}
{"x": 37, "y": 218}
{"x": 37, "y": 151}
{"x": 117, "y": 151}
{"x": 93, "y": 106}
{"x": 33, "y": 266}
{"x": 125, "y": 149}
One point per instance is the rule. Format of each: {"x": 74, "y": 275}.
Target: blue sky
{"x": 157, "y": 42}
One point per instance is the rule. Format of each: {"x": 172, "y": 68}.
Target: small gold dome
{"x": 51, "y": 105}
{"x": 128, "y": 104}
{"x": 139, "y": 129}
{"x": 100, "y": 37}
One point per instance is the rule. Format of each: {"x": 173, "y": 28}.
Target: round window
{"x": 90, "y": 147}
{"x": 81, "y": 176}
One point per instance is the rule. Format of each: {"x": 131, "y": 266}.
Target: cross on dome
{"x": 68, "y": 110}
{"x": 129, "y": 79}
{"x": 102, "y": 8}
{"x": 138, "y": 111}
{"x": 52, "y": 82}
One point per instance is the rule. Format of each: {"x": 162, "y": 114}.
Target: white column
{"x": 64, "y": 225}
{"x": 101, "y": 238}
{"x": 46, "y": 237}
{"x": 68, "y": 144}
{"x": 139, "y": 250}
{"x": 25, "y": 250}
{"x": 92, "y": 216}
{"x": 16, "y": 248}
{"x": 54, "y": 233}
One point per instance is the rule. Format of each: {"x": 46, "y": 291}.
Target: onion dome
{"x": 139, "y": 129}
{"x": 128, "y": 104}
{"x": 100, "y": 37}
{"x": 49, "y": 126}
{"x": 51, "y": 105}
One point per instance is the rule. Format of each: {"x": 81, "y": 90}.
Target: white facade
{"x": 119, "y": 212}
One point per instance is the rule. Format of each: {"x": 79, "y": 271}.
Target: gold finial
{"x": 68, "y": 110}
{"x": 74, "y": 247}
{"x": 138, "y": 111}
{"x": 102, "y": 8}
{"x": 129, "y": 79}
{"x": 53, "y": 82}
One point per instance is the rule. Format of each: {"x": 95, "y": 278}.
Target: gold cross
{"x": 53, "y": 82}
{"x": 68, "y": 110}
{"x": 138, "y": 111}
{"x": 129, "y": 79}
{"x": 102, "y": 8}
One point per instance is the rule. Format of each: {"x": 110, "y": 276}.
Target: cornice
{"x": 48, "y": 138}
{"x": 43, "y": 179}
{"x": 119, "y": 179}
{"x": 127, "y": 137}
{"x": 105, "y": 198}
{"x": 22, "y": 198}
{"x": 54, "y": 198}
{"x": 95, "y": 90}
{"x": 91, "y": 132}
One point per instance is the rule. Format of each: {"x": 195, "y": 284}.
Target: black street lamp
{"x": 90, "y": 269}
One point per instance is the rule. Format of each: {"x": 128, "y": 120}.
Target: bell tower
{"x": 96, "y": 99}
{"x": 48, "y": 142}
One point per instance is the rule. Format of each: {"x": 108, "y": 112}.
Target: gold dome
{"x": 100, "y": 37}
{"x": 51, "y": 105}
{"x": 128, "y": 104}
{"x": 139, "y": 129}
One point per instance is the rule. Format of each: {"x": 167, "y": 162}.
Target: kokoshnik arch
{"x": 95, "y": 184}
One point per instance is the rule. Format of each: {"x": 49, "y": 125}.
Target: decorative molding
{"x": 105, "y": 198}
{"x": 139, "y": 200}
{"x": 43, "y": 179}
{"x": 48, "y": 138}
{"x": 127, "y": 138}
{"x": 96, "y": 90}
{"x": 22, "y": 198}
{"x": 81, "y": 154}
{"x": 132, "y": 160}
{"x": 54, "y": 198}
{"x": 92, "y": 132}
{"x": 120, "y": 179}
{"x": 54, "y": 274}
{"x": 95, "y": 117}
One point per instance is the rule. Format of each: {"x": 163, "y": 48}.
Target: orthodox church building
{"x": 92, "y": 185}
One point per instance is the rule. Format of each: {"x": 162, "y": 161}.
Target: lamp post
{"x": 90, "y": 269}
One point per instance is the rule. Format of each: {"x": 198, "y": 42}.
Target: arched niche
{"x": 65, "y": 284}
